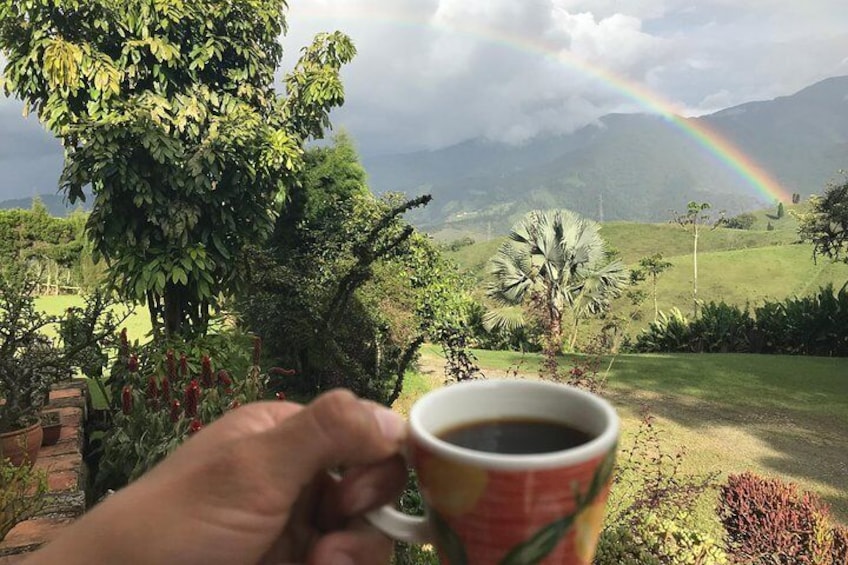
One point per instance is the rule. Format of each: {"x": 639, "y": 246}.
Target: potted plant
{"x": 51, "y": 425}
{"x": 29, "y": 363}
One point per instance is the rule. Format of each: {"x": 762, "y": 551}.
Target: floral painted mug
{"x": 512, "y": 505}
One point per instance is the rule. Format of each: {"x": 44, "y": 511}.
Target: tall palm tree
{"x": 554, "y": 260}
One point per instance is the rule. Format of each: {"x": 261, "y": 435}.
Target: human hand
{"x": 253, "y": 487}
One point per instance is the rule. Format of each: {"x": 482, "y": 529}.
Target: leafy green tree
{"x": 167, "y": 110}
{"x": 781, "y": 211}
{"x": 555, "y": 262}
{"x": 694, "y": 220}
{"x": 345, "y": 291}
{"x": 826, "y": 223}
{"x": 651, "y": 266}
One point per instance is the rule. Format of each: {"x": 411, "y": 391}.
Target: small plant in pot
{"x": 51, "y": 425}
{"x": 23, "y": 493}
{"x": 29, "y": 363}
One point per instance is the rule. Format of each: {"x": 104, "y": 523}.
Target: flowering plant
{"x": 159, "y": 399}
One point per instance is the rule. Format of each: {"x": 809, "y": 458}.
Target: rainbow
{"x": 710, "y": 140}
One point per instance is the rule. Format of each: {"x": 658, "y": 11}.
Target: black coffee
{"x": 520, "y": 436}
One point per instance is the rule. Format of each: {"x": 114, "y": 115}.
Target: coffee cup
{"x": 511, "y": 472}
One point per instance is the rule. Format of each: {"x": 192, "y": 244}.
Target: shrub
{"x": 721, "y": 328}
{"x": 22, "y": 494}
{"x": 159, "y": 398}
{"x": 657, "y": 541}
{"x": 770, "y": 522}
{"x": 670, "y": 332}
{"x": 741, "y": 222}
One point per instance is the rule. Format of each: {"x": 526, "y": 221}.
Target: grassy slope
{"x": 138, "y": 324}
{"x": 737, "y": 266}
{"x": 729, "y": 412}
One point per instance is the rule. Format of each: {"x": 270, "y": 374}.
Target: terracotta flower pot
{"x": 21, "y": 446}
{"x": 52, "y": 427}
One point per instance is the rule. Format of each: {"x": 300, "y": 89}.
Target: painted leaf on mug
{"x": 450, "y": 546}
{"x": 588, "y": 515}
{"x": 540, "y": 545}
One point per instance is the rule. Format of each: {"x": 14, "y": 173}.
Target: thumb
{"x": 336, "y": 429}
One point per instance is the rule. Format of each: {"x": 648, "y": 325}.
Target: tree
{"x": 780, "y": 210}
{"x": 694, "y": 220}
{"x": 345, "y": 291}
{"x": 555, "y": 261}
{"x": 167, "y": 110}
{"x": 826, "y": 224}
{"x": 652, "y": 266}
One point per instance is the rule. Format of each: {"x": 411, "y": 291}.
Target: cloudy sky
{"x": 435, "y": 72}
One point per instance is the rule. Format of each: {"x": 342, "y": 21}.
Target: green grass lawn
{"x": 137, "y": 325}
{"x": 776, "y": 415}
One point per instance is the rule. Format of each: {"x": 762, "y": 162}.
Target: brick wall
{"x": 67, "y": 476}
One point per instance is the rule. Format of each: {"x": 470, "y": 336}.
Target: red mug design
{"x": 493, "y": 508}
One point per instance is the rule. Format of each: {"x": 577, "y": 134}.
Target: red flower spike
{"x": 224, "y": 378}
{"x": 132, "y": 364}
{"x": 183, "y": 366}
{"x": 126, "y": 400}
{"x": 152, "y": 389}
{"x": 279, "y": 371}
{"x": 280, "y": 395}
{"x": 175, "y": 411}
{"x": 172, "y": 365}
{"x": 125, "y": 343}
{"x": 195, "y": 426}
{"x": 257, "y": 349}
{"x": 166, "y": 389}
{"x": 234, "y": 404}
{"x": 206, "y": 371}
{"x": 192, "y": 398}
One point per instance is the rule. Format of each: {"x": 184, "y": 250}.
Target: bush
{"x": 657, "y": 541}
{"x": 670, "y": 332}
{"x": 158, "y": 398}
{"x": 741, "y": 222}
{"x": 770, "y": 522}
{"x": 22, "y": 494}
{"x": 809, "y": 325}
{"x": 721, "y": 328}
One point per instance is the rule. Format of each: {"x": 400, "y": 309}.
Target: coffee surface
{"x": 515, "y": 436}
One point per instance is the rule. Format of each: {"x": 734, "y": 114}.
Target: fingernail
{"x": 391, "y": 424}
{"x": 341, "y": 559}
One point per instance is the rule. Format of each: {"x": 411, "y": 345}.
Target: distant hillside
{"x": 56, "y": 204}
{"x": 738, "y": 266}
{"x": 627, "y": 167}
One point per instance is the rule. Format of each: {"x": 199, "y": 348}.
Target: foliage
{"x": 554, "y": 261}
{"x": 721, "y": 328}
{"x": 771, "y": 522}
{"x": 160, "y": 396}
{"x": 658, "y": 541}
{"x": 670, "y": 332}
{"x": 825, "y": 225}
{"x": 810, "y": 325}
{"x": 781, "y": 211}
{"x": 411, "y": 503}
{"x": 741, "y": 222}
{"x": 23, "y": 491}
{"x": 29, "y": 361}
{"x": 521, "y": 337}
{"x": 460, "y": 363}
{"x": 54, "y": 247}
{"x": 345, "y": 290}
{"x": 168, "y": 111}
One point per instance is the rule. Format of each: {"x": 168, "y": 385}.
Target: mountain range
{"x": 622, "y": 167}
{"x": 628, "y": 166}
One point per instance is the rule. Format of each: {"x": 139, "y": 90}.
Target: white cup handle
{"x": 400, "y": 526}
